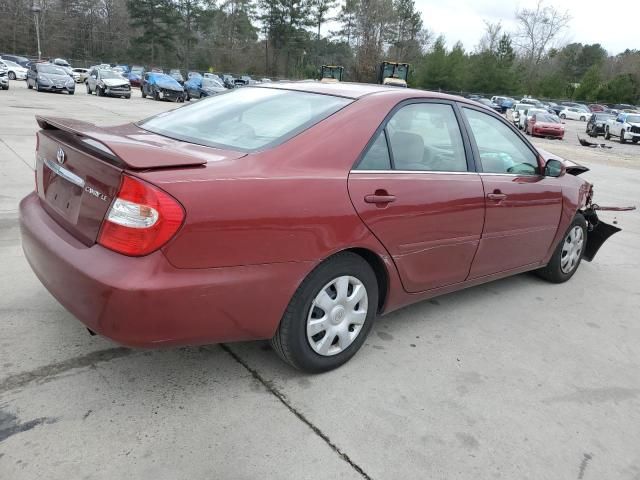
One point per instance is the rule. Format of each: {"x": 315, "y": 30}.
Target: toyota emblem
{"x": 60, "y": 156}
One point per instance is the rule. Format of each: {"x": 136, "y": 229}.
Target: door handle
{"x": 380, "y": 197}
{"x": 496, "y": 196}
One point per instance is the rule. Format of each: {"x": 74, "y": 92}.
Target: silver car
{"x": 4, "y": 78}
{"x": 108, "y": 83}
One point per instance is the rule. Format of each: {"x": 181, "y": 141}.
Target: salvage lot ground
{"x": 514, "y": 379}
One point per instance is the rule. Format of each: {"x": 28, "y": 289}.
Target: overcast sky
{"x": 616, "y": 28}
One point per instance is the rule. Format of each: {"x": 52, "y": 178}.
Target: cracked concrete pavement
{"x": 513, "y": 379}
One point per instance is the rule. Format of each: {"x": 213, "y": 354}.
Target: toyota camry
{"x": 295, "y": 212}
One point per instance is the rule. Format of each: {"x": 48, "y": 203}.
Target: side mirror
{"x": 554, "y": 168}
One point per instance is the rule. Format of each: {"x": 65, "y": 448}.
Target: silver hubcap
{"x": 337, "y": 315}
{"x": 572, "y": 250}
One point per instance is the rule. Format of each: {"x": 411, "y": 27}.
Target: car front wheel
{"x": 563, "y": 116}
{"x": 329, "y": 316}
{"x": 607, "y": 135}
{"x": 88, "y": 89}
{"x": 12, "y": 76}
{"x": 568, "y": 254}
{"x": 622, "y": 139}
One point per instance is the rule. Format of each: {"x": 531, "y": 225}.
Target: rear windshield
{"x": 246, "y": 119}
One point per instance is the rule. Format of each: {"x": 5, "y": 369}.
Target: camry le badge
{"x": 60, "y": 156}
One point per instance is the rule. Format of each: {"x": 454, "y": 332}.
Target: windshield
{"x": 106, "y": 74}
{"x": 51, "y": 70}
{"x": 162, "y": 77}
{"x": 547, "y": 117}
{"x": 246, "y": 119}
{"x": 211, "y": 82}
{"x": 11, "y": 64}
{"x": 633, "y": 118}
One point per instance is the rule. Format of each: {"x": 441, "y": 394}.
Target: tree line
{"x": 293, "y": 38}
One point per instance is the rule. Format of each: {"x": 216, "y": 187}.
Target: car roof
{"x": 358, "y": 90}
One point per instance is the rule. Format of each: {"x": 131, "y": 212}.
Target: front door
{"x": 415, "y": 192}
{"x": 523, "y": 206}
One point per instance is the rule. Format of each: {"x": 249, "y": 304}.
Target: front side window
{"x": 246, "y": 119}
{"x": 426, "y": 137}
{"x": 501, "y": 149}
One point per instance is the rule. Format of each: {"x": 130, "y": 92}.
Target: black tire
{"x": 622, "y": 139}
{"x": 607, "y": 135}
{"x": 290, "y": 340}
{"x": 635, "y": 140}
{"x": 12, "y": 76}
{"x": 553, "y": 271}
{"x": 29, "y": 86}
{"x": 99, "y": 92}
{"x": 72, "y": 92}
{"x": 144, "y": 95}
{"x": 156, "y": 95}
{"x": 187, "y": 97}
{"x": 88, "y": 89}
{"x": 563, "y": 116}
{"x": 583, "y": 119}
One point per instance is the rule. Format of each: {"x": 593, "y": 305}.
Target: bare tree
{"x": 538, "y": 29}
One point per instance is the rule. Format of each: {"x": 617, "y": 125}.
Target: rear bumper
{"x": 144, "y": 301}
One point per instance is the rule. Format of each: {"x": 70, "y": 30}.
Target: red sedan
{"x": 545, "y": 125}
{"x": 294, "y": 212}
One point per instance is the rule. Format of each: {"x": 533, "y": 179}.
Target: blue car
{"x": 135, "y": 75}
{"x": 198, "y": 86}
{"x": 161, "y": 87}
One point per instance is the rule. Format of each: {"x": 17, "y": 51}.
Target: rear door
{"x": 523, "y": 206}
{"x": 416, "y": 190}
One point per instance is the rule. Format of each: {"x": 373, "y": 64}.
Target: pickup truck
{"x": 626, "y": 127}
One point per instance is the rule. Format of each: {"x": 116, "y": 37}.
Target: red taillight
{"x": 141, "y": 219}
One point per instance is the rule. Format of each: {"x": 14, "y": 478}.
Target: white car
{"x": 526, "y": 114}
{"x": 4, "y": 79}
{"x": 530, "y": 101}
{"x": 14, "y": 71}
{"x": 574, "y": 113}
{"x": 80, "y": 74}
{"x": 513, "y": 114}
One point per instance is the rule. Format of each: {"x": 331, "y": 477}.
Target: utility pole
{"x": 36, "y": 15}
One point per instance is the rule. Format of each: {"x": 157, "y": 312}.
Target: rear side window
{"x": 246, "y": 119}
{"x": 426, "y": 137}
{"x": 377, "y": 157}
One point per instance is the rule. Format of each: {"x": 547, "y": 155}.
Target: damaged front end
{"x": 598, "y": 231}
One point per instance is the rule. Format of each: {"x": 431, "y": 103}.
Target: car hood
{"x": 634, "y": 124}
{"x": 170, "y": 85}
{"x": 114, "y": 82}
{"x": 572, "y": 167}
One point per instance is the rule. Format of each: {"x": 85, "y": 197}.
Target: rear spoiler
{"x": 128, "y": 146}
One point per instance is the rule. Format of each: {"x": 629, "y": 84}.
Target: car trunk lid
{"x": 79, "y": 168}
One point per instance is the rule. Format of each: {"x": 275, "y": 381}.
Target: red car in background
{"x": 545, "y": 125}
{"x": 294, "y": 212}
{"x": 594, "y": 107}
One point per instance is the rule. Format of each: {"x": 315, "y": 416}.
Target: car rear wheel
{"x": 12, "y": 76}
{"x": 568, "y": 254}
{"x": 563, "y": 116}
{"x": 329, "y": 316}
{"x": 607, "y": 135}
{"x": 583, "y": 119}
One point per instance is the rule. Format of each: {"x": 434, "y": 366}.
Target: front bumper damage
{"x": 598, "y": 231}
